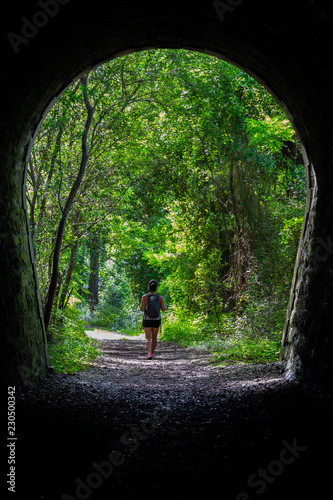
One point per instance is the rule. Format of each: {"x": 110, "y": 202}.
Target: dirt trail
{"x": 99, "y": 334}
{"x": 176, "y": 427}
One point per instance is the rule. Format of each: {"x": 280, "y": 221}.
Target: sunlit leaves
{"x": 269, "y": 133}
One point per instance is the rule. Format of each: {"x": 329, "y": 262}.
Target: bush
{"x": 186, "y": 328}
{"x": 117, "y": 309}
{"x": 112, "y": 318}
{"x": 70, "y": 349}
{"x": 248, "y": 350}
{"x": 234, "y": 341}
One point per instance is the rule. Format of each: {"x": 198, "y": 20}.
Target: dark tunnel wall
{"x": 47, "y": 44}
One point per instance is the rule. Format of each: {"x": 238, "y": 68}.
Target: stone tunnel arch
{"x": 269, "y": 41}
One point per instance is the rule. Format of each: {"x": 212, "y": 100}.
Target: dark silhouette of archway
{"x": 49, "y": 43}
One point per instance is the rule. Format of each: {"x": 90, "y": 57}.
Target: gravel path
{"x": 176, "y": 427}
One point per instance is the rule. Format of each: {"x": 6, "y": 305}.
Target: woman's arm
{"x": 144, "y": 301}
{"x": 162, "y": 303}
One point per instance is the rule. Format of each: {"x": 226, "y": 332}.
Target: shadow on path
{"x": 176, "y": 427}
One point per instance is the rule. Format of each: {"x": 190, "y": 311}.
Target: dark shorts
{"x": 155, "y": 323}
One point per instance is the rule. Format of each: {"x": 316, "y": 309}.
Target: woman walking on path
{"x": 152, "y": 303}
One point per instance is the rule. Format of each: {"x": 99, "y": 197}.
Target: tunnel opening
{"x": 248, "y": 38}
{"x": 245, "y": 153}
{"x": 270, "y": 40}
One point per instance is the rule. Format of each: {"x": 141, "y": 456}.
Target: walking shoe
{"x": 150, "y": 356}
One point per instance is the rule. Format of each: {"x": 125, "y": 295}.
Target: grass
{"x": 232, "y": 342}
{"x": 131, "y": 331}
{"x": 247, "y": 350}
{"x": 70, "y": 349}
{"x": 72, "y": 352}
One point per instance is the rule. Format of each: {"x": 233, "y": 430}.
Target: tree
{"x": 86, "y": 151}
{"x": 176, "y": 165}
{"x": 90, "y": 121}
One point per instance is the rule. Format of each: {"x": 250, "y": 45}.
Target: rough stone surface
{"x": 286, "y": 46}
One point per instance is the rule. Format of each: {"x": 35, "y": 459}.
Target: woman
{"x": 152, "y": 324}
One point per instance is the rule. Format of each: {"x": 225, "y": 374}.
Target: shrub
{"x": 70, "y": 349}
{"x": 235, "y": 341}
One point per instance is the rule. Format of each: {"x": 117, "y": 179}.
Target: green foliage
{"x": 70, "y": 349}
{"x": 194, "y": 178}
{"x": 269, "y": 133}
{"x": 232, "y": 341}
{"x": 117, "y": 309}
{"x": 244, "y": 349}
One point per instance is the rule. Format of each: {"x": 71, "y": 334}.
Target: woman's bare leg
{"x": 149, "y": 336}
{"x": 151, "y": 339}
{"x": 154, "y": 339}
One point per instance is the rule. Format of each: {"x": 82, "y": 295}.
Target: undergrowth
{"x": 70, "y": 349}
{"x": 230, "y": 340}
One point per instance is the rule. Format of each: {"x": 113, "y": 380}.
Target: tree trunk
{"x": 94, "y": 272}
{"x": 68, "y": 206}
{"x": 64, "y": 296}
